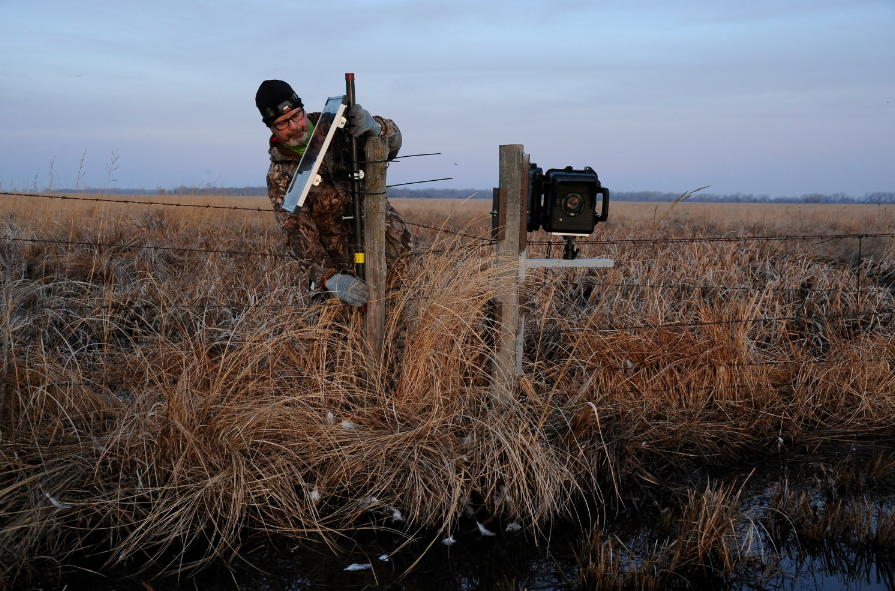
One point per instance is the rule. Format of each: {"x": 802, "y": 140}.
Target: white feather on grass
{"x": 396, "y": 514}
{"x": 384, "y": 558}
{"x": 315, "y": 495}
{"x": 500, "y": 494}
{"x": 56, "y": 503}
{"x": 484, "y": 530}
{"x": 512, "y": 528}
{"x": 449, "y": 541}
{"x": 329, "y": 418}
{"x": 357, "y": 566}
{"x": 364, "y": 503}
{"x": 347, "y": 425}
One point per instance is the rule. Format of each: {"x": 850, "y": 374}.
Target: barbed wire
{"x": 119, "y": 307}
{"x": 114, "y": 308}
{"x": 872, "y": 289}
{"x": 144, "y": 246}
{"x": 694, "y": 239}
{"x": 627, "y": 387}
{"x": 559, "y": 329}
{"x": 764, "y": 363}
{"x": 200, "y": 206}
{"x": 607, "y": 242}
{"x": 398, "y": 158}
{"x": 446, "y": 231}
{"x": 432, "y": 250}
{"x": 633, "y": 386}
{"x": 419, "y": 182}
{"x": 617, "y": 389}
{"x": 134, "y": 202}
{"x": 106, "y": 303}
{"x": 490, "y": 242}
{"x": 112, "y": 245}
{"x": 843, "y": 316}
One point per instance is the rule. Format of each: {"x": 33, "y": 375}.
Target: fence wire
{"x": 645, "y": 241}
{"x": 697, "y": 239}
{"x": 134, "y": 202}
{"x": 729, "y": 322}
{"x": 485, "y": 242}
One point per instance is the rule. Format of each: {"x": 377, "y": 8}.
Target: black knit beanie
{"x": 274, "y": 99}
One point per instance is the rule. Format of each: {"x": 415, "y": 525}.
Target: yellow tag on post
{"x": 359, "y": 258}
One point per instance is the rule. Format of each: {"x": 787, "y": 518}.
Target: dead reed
{"x": 163, "y": 405}
{"x": 736, "y": 533}
{"x": 711, "y": 539}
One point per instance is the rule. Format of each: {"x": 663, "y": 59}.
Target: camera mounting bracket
{"x": 569, "y": 252}
{"x": 563, "y": 264}
{"x": 515, "y": 211}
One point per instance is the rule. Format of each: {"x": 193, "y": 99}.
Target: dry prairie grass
{"x": 734, "y": 535}
{"x": 710, "y": 539}
{"x": 163, "y": 405}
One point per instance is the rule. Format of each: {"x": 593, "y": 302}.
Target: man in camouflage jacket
{"x": 318, "y": 236}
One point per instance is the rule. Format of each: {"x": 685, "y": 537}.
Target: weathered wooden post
{"x": 375, "y": 156}
{"x": 7, "y": 313}
{"x": 510, "y": 239}
{"x": 510, "y": 232}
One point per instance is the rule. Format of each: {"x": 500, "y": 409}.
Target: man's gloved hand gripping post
{"x": 317, "y": 235}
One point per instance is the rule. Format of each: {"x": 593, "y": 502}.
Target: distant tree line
{"x": 656, "y": 196}
{"x": 182, "y": 190}
{"x": 209, "y": 190}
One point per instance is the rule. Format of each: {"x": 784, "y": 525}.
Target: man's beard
{"x": 298, "y": 140}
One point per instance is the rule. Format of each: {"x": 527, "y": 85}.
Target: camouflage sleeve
{"x": 399, "y": 244}
{"x": 304, "y": 244}
{"x": 398, "y": 238}
{"x": 278, "y": 176}
{"x": 391, "y": 132}
{"x": 302, "y": 236}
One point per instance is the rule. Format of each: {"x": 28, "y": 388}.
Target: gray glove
{"x": 361, "y": 123}
{"x": 348, "y": 289}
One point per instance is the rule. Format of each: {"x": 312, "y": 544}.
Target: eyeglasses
{"x": 298, "y": 116}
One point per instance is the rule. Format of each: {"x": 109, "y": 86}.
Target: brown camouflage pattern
{"x": 318, "y": 238}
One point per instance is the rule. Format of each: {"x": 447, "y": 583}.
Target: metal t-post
{"x": 375, "y": 155}
{"x": 503, "y": 370}
{"x": 359, "y": 262}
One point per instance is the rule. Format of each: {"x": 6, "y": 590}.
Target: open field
{"x": 172, "y": 394}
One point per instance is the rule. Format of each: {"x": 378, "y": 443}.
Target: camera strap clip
{"x": 569, "y": 251}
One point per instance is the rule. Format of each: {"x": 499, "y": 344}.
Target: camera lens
{"x": 572, "y": 204}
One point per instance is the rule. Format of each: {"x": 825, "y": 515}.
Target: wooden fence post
{"x": 509, "y": 237}
{"x": 7, "y": 315}
{"x": 375, "y": 155}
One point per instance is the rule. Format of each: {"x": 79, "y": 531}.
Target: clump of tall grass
{"x": 158, "y": 402}
{"x": 710, "y": 540}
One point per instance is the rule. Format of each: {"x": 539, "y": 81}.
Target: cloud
{"x": 763, "y": 97}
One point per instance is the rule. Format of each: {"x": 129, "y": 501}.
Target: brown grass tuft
{"x": 162, "y": 405}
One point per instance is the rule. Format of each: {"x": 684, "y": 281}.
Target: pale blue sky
{"x": 780, "y": 97}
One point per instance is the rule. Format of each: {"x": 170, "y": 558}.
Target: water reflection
{"x": 833, "y": 568}
{"x": 474, "y": 562}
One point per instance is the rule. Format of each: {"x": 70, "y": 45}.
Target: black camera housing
{"x": 563, "y": 201}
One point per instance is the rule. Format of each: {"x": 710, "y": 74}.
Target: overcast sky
{"x": 782, "y": 97}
